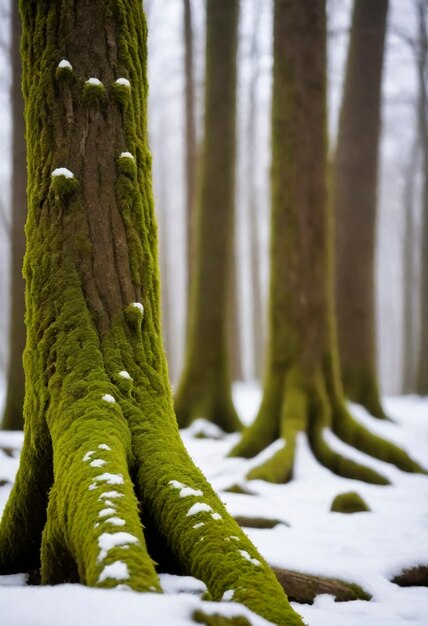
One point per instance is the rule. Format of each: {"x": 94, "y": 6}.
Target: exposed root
{"x": 412, "y": 577}
{"x": 349, "y": 502}
{"x": 304, "y": 588}
{"x": 258, "y": 522}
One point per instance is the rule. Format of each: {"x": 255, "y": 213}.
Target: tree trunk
{"x": 302, "y": 388}
{"x": 253, "y": 219}
{"x": 409, "y": 361}
{"x": 422, "y": 375}
{"x": 101, "y": 440}
{"x": 355, "y": 182}
{"x": 191, "y": 153}
{"x": 237, "y": 372}
{"x": 13, "y": 413}
{"x": 204, "y": 389}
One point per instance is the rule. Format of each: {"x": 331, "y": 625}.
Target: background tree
{"x": 101, "y": 438}
{"x": 422, "y": 7}
{"x": 204, "y": 389}
{"x": 190, "y": 142}
{"x": 302, "y": 388}
{"x": 355, "y": 198}
{"x": 13, "y": 412}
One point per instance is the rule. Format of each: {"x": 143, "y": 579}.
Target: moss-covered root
{"x": 209, "y": 402}
{"x": 93, "y": 532}
{"x": 349, "y": 502}
{"x": 198, "y": 531}
{"x": 219, "y": 620}
{"x": 412, "y": 577}
{"x": 353, "y": 433}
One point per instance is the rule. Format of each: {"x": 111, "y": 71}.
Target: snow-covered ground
{"x": 365, "y": 548}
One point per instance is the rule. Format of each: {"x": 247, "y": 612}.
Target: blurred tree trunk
{"x": 191, "y": 150}
{"x": 235, "y": 346}
{"x": 355, "y": 181}
{"x": 302, "y": 388}
{"x": 204, "y": 389}
{"x": 422, "y": 374}
{"x": 409, "y": 282}
{"x": 253, "y": 218}
{"x": 13, "y": 413}
{"x": 100, "y": 427}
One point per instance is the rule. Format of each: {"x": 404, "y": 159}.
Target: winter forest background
{"x": 167, "y": 142}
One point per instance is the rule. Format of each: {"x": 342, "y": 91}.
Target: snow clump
{"x": 108, "y": 398}
{"x": 62, "y": 171}
{"x": 117, "y": 570}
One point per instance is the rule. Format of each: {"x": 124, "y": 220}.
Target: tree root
{"x": 412, "y": 577}
{"x": 303, "y": 588}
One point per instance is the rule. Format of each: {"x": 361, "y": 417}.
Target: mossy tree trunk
{"x": 13, "y": 412}
{"x": 302, "y": 388}
{"x": 355, "y": 180}
{"x": 204, "y": 389}
{"x": 101, "y": 441}
{"x": 422, "y": 373}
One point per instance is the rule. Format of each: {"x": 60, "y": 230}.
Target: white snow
{"x": 115, "y": 521}
{"x": 367, "y": 548}
{"x": 185, "y": 491}
{"x": 92, "y": 486}
{"x": 128, "y": 155}
{"x": 123, "y": 81}
{"x": 106, "y": 512}
{"x": 249, "y": 558}
{"x": 125, "y": 374}
{"x": 198, "y": 507}
{"x": 110, "y": 479}
{"x": 97, "y": 463}
{"x": 117, "y": 570}
{"x": 108, "y": 398}
{"x": 64, "y": 64}
{"x": 104, "y": 446}
{"x": 111, "y": 494}
{"x": 137, "y": 305}
{"x": 108, "y": 541}
{"x": 88, "y": 455}
{"x": 93, "y": 81}
{"x": 216, "y": 516}
{"x": 198, "y": 525}
{"x": 228, "y": 595}
{"x": 62, "y": 171}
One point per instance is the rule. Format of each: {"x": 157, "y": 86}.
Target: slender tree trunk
{"x": 355, "y": 197}
{"x": 101, "y": 441}
{"x": 13, "y": 414}
{"x": 191, "y": 151}
{"x": 409, "y": 360}
{"x": 204, "y": 389}
{"x": 422, "y": 374}
{"x": 302, "y": 388}
{"x": 235, "y": 346}
{"x": 253, "y": 218}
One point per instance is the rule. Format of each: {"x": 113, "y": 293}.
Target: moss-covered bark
{"x": 102, "y": 450}
{"x": 355, "y": 198}
{"x": 204, "y": 389}
{"x": 302, "y": 388}
{"x": 14, "y": 406}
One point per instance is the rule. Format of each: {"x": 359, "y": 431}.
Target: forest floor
{"x": 367, "y": 548}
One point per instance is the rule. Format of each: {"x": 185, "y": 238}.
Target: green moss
{"x": 122, "y": 94}
{"x": 93, "y": 93}
{"x": 127, "y": 166}
{"x": 63, "y": 186}
{"x": 349, "y": 502}
{"x": 64, "y": 74}
{"x": 219, "y": 620}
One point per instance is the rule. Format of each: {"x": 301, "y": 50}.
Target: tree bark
{"x": 101, "y": 441}
{"x": 204, "y": 389}
{"x": 13, "y": 412}
{"x": 422, "y": 374}
{"x": 355, "y": 182}
{"x": 302, "y": 388}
